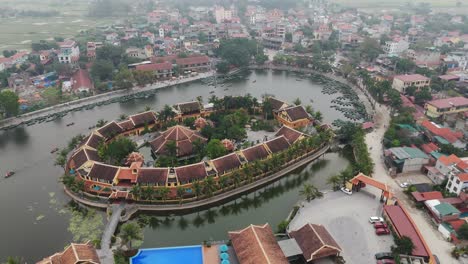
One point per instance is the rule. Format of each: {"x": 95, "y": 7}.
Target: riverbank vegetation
{"x": 61, "y": 158}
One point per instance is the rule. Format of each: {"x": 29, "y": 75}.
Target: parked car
{"x": 382, "y": 231}
{"x": 375, "y": 219}
{"x": 346, "y": 190}
{"x": 404, "y": 185}
{"x": 384, "y": 255}
{"x": 380, "y": 225}
{"x": 386, "y": 261}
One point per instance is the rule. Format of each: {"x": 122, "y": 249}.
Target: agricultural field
{"x": 445, "y": 6}
{"x": 18, "y": 33}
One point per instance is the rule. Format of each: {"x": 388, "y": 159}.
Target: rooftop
{"x": 450, "y": 102}
{"x": 408, "y": 153}
{"x": 411, "y": 77}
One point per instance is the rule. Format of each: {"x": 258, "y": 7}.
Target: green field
{"x": 18, "y": 33}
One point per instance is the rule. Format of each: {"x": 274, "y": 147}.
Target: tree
{"x": 180, "y": 193}
{"x": 171, "y": 148}
{"x": 261, "y": 58}
{"x": 297, "y": 101}
{"x": 197, "y": 188}
{"x": 9, "y": 103}
{"x": 9, "y": 53}
{"x": 209, "y": 186}
{"x": 14, "y": 260}
{"x": 215, "y": 149}
{"x": 166, "y": 113}
{"x": 116, "y": 151}
{"x": 411, "y": 90}
{"x": 335, "y": 181}
{"x": 52, "y": 95}
{"x": 202, "y": 37}
{"x": 124, "y": 79}
{"x": 370, "y": 49}
{"x": 404, "y": 245}
{"x": 310, "y": 192}
{"x": 423, "y": 95}
{"x": 404, "y": 65}
{"x": 288, "y": 37}
{"x": 110, "y": 53}
{"x": 143, "y": 78}
{"x": 131, "y": 235}
{"x": 222, "y": 67}
{"x": 164, "y": 193}
{"x": 318, "y": 116}
{"x": 102, "y": 70}
{"x": 463, "y": 231}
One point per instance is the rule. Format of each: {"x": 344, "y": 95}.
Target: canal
{"x": 34, "y": 220}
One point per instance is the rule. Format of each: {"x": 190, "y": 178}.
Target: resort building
{"x": 294, "y": 116}
{"x": 257, "y": 244}
{"x": 74, "y": 254}
{"x": 447, "y": 106}
{"x": 315, "y": 242}
{"x": 183, "y": 138}
{"x": 401, "y": 82}
{"x": 189, "y": 109}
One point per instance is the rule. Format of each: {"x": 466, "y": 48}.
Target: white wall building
{"x": 222, "y": 14}
{"x": 69, "y": 52}
{"x": 457, "y": 183}
{"x": 395, "y": 48}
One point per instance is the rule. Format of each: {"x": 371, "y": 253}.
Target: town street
{"x": 433, "y": 238}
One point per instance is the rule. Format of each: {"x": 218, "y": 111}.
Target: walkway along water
{"x": 100, "y": 98}
{"x": 105, "y": 253}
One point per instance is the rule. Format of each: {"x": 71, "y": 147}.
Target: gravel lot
{"x": 346, "y": 218}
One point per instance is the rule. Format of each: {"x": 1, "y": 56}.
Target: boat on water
{"x": 70, "y": 124}
{"x": 9, "y": 174}
{"x": 254, "y": 81}
{"x": 54, "y": 150}
{"x": 212, "y": 92}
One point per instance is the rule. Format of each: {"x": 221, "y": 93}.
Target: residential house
{"x": 69, "y": 52}
{"x": 113, "y": 38}
{"x": 405, "y": 159}
{"x": 149, "y": 37}
{"x": 456, "y": 61}
{"x": 443, "y": 135}
{"x": 145, "y": 53}
{"x": 222, "y": 14}
{"x": 442, "y": 211}
{"x": 46, "y": 56}
{"x": 396, "y": 47}
{"x": 131, "y": 33}
{"x": 457, "y": 183}
{"x": 401, "y": 82}
{"x": 424, "y": 59}
{"x": 446, "y": 106}
{"x": 81, "y": 82}
{"x": 91, "y": 48}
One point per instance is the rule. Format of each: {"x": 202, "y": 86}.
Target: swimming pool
{"x": 170, "y": 255}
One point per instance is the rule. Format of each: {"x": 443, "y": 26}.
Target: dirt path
{"x": 433, "y": 238}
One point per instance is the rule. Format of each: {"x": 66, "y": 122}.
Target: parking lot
{"x": 346, "y": 217}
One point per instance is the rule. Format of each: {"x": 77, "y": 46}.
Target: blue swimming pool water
{"x": 464, "y": 215}
{"x": 171, "y": 255}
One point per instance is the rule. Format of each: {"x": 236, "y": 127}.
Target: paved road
{"x": 105, "y": 253}
{"x": 433, "y": 238}
{"x": 96, "y": 99}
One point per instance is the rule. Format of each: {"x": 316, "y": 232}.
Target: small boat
{"x": 70, "y": 124}
{"x": 212, "y": 92}
{"x": 254, "y": 81}
{"x": 54, "y": 150}
{"x": 9, "y": 174}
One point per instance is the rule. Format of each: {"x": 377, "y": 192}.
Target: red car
{"x": 382, "y": 231}
{"x": 380, "y": 225}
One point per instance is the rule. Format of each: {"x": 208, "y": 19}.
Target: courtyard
{"x": 346, "y": 217}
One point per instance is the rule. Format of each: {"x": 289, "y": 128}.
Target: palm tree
{"x": 164, "y": 193}
{"x": 223, "y": 182}
{"x": 310, "y": 192}
{"x": 136, "y": 192}
{"x": 147, "y": 193}
{"x": 147, "y": 108}
{"x": 237, "y": 178}
{"x": 122, "y": 117}
{"x": 130, "y": 232}
{"x": 210, "y": 186}
{"x": 335, "y": 181}
{"x": 180, "y": 193}
{"x": 14, "y": 260}
{"x": 197, "y": 188}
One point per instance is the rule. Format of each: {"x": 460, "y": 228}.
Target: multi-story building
{"x": 91, "y": 48}
{"x": 401, "y": 82}
{"x": 447, "y": 106}
{"x": 457, "y": 183}
{"x": 69, "y": 52}
{"x": 395, "y": 48}
{"x": 160, "y": 70}
{"x": 222, "y": 14}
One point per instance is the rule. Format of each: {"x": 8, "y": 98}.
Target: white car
{"x": 346, "y": 190}
{"x": 404, "y": 185}
{"x": 375, "y": 219}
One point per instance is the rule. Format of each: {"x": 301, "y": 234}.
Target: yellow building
{"x": 440, "y": 107}
{"x": 401, "y": 82}
{"x": 294, "y": 116}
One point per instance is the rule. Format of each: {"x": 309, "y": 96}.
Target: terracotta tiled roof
{"x": 152, "y": 176}
{"x": 429, "y": 147}
{"x": 424, "y": 196}
{"x": 182, "y": 136}
{"x": 83, "y": 155}
{"x": 126, "y": 174}
{"x": 126, "y": 125}
{"x": 141, "y": 119}
{"x": 257, "y": 244}
{"x": 73, "y": 254}
{"x": 82, "y": 79}
{"x": 411, "y": 77}
{"x": 154, "y": 67}
{"x": 110, "y": 130}
{"x": 191, "y": 173}
{"x": 296, "y": 113}
{"x": 103, "y": 171}
{"x": 192, "y": 60}
{"x": 257, "y": 152}
{"x": 189, "y": 107}
{"x": 277, "y": 144}
{"x": 463, "y": 177}
{"x": 315, "y": 242}
{"x": 450, "y": 102}
{"x": 276, "y": 104}
{"x": 290, "y": 134}
{"x": 444, "y": 132}
{"x": 226, "y": 163}
{"x": 450, "y": 160}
